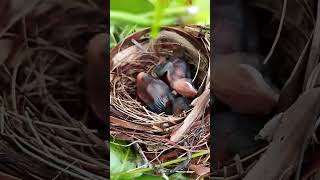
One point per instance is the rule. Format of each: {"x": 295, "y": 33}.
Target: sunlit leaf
{"x": 153, "y": 1}
{"x": 123, "y": 159}
{"x": 131, "y": 6}
{"x": 179, "y": 176}
{"x": 177, "y": 3}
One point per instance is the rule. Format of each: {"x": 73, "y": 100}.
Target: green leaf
{"x": 131, "y": 6}
{"x": 179, "y": 176}
{"x": 161, "y": 5}
{"x": 123, "y": 159}
{"x": 153, "y": 1}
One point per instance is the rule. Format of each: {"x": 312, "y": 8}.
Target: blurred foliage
{"x": 128, "y": 16}
{"x": 131, "y": 6}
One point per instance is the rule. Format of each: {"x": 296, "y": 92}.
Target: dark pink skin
{"x": 177, "y": 74}
{"x": 173, "y": 70}
{"x": 184, "y": 88}
{"x": 154, "y": 93}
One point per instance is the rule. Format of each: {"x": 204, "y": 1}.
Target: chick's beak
{"x": 185, "y": 88}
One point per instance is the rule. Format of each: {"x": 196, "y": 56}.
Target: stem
{"x": 158, "y": 14}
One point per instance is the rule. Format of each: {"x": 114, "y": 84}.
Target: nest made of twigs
{"x": 131, "y": 120}
{"x": 142, "y": 58}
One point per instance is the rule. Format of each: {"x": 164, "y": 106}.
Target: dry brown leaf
{"x": 129, "y": 125}
{"x": 126, "y": 43}
{"x": 315, "y": 48}
{"x": 270, "y": 128}
{"x": 200, "y": 170}
{"x": 124, "y": 55}
{"x": 177, "y": 38}
{"x": 314, "y": 78}
{"x": 296, "y": 127}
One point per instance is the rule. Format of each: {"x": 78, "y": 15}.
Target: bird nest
{"x": 131, "y": 120}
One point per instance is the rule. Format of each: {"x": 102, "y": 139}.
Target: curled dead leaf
{"x": 289, "y": 139}
{"x": 127, "y": 124}
{"x": 270, "y": 128}
{"x": 200, "y": 170}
